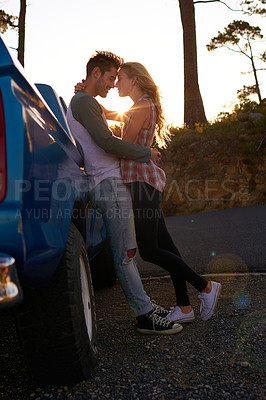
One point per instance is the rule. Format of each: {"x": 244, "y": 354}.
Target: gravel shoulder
{"x": 223, "y": 358}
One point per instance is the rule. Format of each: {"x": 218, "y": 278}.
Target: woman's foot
{"x": 178, "y": 315}
{"x": 209, "y": 300}
{"x": 208, "y": 288}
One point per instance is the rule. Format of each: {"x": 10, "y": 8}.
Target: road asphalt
{"x": 231, "y": 240}
{"x": 223, "y": 358}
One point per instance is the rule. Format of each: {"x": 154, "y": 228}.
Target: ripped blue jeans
{"x": 113, "y": 200}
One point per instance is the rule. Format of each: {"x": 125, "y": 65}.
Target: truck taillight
{"x": 3, "y": 175}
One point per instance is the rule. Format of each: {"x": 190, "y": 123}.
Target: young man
{"x": 107, "y": 192}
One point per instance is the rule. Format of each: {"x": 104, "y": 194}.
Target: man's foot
{"x": 152, "y": 323}
{"x": 176, "y": 315}
{"x": 159, "y": 310}
{"x": 209, "y": 301}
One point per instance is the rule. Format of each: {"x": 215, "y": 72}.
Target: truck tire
{"x": 102, "y": 268}
{"x": 57, "y": 324}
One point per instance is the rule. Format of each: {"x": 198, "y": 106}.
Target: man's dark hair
{"x": 104, "y": 60}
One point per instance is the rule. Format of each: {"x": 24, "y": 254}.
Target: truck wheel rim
{"x": 86, "y": 297}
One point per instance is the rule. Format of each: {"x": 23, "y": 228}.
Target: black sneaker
{"x": 154, "y": 324}
{"x": 159, "y": 310}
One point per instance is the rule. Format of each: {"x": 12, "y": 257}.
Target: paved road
{"x": 232, "y": 240}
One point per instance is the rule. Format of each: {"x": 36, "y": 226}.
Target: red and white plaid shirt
{"x": 136, "y": 171}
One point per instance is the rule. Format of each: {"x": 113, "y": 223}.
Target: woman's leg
{"x": 155, "y": 243}
{"x": 165, "y": 240}
{"x": 112, "y": 199}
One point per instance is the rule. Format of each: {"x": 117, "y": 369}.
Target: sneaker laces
{"x": 158, "y": 308}
{"x": 156, "y": 319}
{"x": 173, "y": 309}
{"x": 203, "y": 298}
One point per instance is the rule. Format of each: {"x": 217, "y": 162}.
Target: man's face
{"x": 106, "y": 82}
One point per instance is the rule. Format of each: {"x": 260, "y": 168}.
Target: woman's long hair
{"x": 148, "y": 86}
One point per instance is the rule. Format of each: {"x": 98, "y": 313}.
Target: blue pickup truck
{"x": 51, "y": 240}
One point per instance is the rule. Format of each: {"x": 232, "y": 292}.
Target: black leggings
{"x": 155, "y": 243}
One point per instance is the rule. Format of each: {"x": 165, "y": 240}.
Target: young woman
{"x": 144, "y": 124}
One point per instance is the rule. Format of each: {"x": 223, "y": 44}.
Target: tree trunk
{"x": 21, "y": 31}
{"x": 255, "y": 73}
{"x": 193, "y": 104}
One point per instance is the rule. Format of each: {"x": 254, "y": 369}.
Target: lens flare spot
{"x": 242, "y": 299}
{"x": 232, "y": 265}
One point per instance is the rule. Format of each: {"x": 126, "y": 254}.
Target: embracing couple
{"x": 123, "y": 174}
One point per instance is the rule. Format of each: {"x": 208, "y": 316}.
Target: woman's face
{"x": 124, "y": 84}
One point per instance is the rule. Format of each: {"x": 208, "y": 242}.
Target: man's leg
{"x": 112, "y": 198}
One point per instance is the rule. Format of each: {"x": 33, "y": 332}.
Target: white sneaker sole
{"x": 181, "y": 317}
{"x": 166, "y": 332}
{"x": 217, "y": 294}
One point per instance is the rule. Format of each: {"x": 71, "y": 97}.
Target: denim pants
{"x": 113, "y": 200}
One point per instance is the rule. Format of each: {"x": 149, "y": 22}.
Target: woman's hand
{"x": 155, "y": 156}
{"x": 79, "y": 86}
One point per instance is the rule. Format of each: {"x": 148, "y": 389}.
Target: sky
{"x": 61, "y": 35}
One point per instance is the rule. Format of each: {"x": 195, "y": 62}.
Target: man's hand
{"x": 79, "y": 86}
{"x": 155, "y": 156}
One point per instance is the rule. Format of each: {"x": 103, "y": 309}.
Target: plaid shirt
{"x": 136, "y": 171}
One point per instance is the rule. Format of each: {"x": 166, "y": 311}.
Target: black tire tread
{"x": 51, "y": 324}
